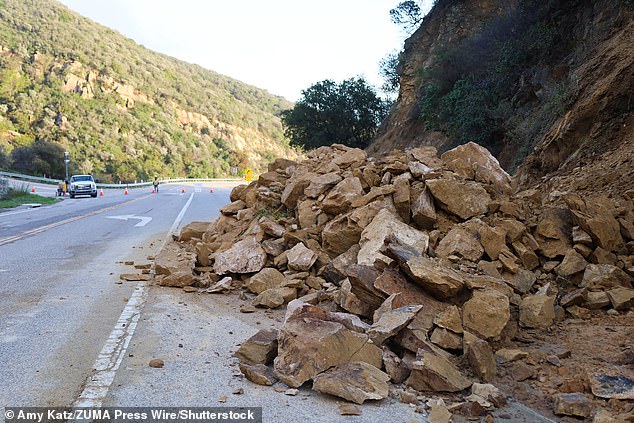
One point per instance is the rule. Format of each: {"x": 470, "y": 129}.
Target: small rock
{"x": 238, "y": 391}
{"x": 573, "y": 404}
{"x": 291, "y": 392}
{"x": 157, "y": 363}
{"x": 349, "y": 410}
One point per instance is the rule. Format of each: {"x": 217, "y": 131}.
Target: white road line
{"x": 112, "y": 353}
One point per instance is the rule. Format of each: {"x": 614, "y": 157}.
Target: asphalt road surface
{"x": 59, "y": 268}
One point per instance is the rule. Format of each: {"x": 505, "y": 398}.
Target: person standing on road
{"x": 155, "y": 183}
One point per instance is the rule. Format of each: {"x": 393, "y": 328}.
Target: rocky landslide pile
{"x": 413, "y": 269}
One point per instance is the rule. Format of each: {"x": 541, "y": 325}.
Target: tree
{"x": 407, "y": 13}
{"x": 388, "y": 70}
{"x": 347, "y": 113}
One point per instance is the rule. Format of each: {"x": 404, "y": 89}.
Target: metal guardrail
{"x": 135, "y": 184}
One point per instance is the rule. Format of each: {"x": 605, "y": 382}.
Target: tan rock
{"x": 604, "y": 276}
{"x": 258, "y": 373}
{"x": 597, "y": 219}
{"x": 261, "y": 348}
{"x": 438, "y": 412}
{"x": 362, "y": 280}
{"x": 177, "y": 279}
{"x": 596, "y": 300}
{"x": 423, "y": 210}
{"x": 267, "y": 278}
{"x": 537, "y": 311}
{"x": 573, "y": 263}
{"x": 342, "y": 195}
{"x": 392, "y": 282}
{"x": 527, "y": 256}
{"x": 553, "y": 232}
{"x": 271, "y": 227}
{"x": 383, "y": 225}
{"x": 307, "y": 214}
{"x": 354, "y": 381}
{"x": 492, "y": 239}
{"x": 486, "y": 313}
{"x": 480, "y": 357}
{"x": 311, "y": 345}
{"x": 463, "y": 199}
{"x": 274, "y": 247}
{"x": 627, "y": 228}
{"x": 301, "y": 258}
{"x": 171, "y": 260}
{"x": 233, "y": 208}
{"x": 579, "y": 236}
{"x": 321, "y": 184}
{"x": 601, "y": 256}
{"x": 275, "y": 297}
{"x": 350, "y": 157}
{"x": 246, "y": 256}
{"x": 434, "y": 278}
{"x": 294, "y": 189}
{"x": 431, "y": 372}
{"x": 193, "y": 230}
{"x": 621, "y": 298}
{"x": 573, "y": 404}
{"x": 135, "y": 277}
{"x": 462, "y": 243}
{"x": 522, "y": 281}
{"x": 508, "y": 355}
{"x": 350, "y": 302}
{"x": 446, "y": 339}
{"x": 391, "y": 322}
{"x": 340, "y": 234}
{"x": 394, "y": 366}
{"x": 475, "y": 162}
{"x": 401, "y": 198}
{"x": 202, "y": 254}
{"x": 450, "y": 319}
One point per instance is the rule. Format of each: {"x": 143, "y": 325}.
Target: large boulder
{"x": 537, "y": 311}
{"x": 486, "y": 313}
{"x": 246, "y": 256}
{"x": 463, "y": 199}
{"x": 301, "y": 258}
{"x": 475, "y": 162}
{"x": 321, "y": 184}
{"x": 311, "y": 341}
{"x": 383, "y": 225}
{"x": 438, "y": 280}
{"x": 462, "y": 243}
{"x": 605, "y": 276}
{"x": 266, "y": 278}
{"x": 341, "y": 196}
{"x": 261, "y": 348}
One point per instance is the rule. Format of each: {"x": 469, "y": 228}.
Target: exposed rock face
{"x": 355, "y": 381}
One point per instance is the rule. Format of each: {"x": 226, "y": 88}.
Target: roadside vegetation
{"x": 122, "y": 111}
{"x": 16, "y": 196}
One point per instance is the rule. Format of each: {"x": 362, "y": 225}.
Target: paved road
{"x": 59, "y": 265}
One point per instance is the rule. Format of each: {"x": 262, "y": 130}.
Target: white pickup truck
{"x": 82, "y": 185}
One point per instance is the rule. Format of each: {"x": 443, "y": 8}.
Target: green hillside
{"x": 122, "y": 111}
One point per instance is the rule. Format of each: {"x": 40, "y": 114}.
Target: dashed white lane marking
{"x": 112, "y": 353}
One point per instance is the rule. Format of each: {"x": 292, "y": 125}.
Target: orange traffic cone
{"x": 125, "y": 192}
{"x": 33, "y": 190}
{"x": 211, "y": 190}
{"x": 101, "y": 192}
{"x": 182, "y": 190}
{"x": 153, "y": 191}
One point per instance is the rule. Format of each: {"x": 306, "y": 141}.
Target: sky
{"x": 283, "y": 46}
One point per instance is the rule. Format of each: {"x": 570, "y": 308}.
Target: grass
{"x": 19, "y": 196}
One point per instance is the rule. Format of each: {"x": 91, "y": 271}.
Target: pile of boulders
{"x": 412, "y": 268}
